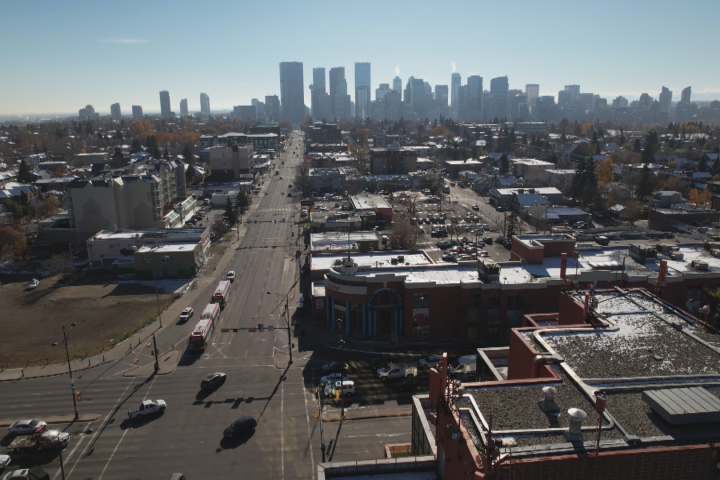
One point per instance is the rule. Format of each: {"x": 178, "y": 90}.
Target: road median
{"x": 86, "y": 417}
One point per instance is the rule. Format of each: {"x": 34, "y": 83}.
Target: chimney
{"x": 574, "y": 433}
{"x": 547, "y": 404}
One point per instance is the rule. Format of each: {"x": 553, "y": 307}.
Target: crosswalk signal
{"x": 79, "y": 397}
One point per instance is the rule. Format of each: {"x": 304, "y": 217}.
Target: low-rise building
{"x": 393, "y": 160}
{"x": 369, "y": 203}
{"x": 259, "y": 141}
{"x": 18, "y": 192}
{"x": 454, "y": 167}
{"x": 600, "y": 389}
{"x": 680, "y": 219}
{"x": 505, "y": 197}
{"x": 87, "y": 159}
{"x": 324, "y": 133}
{"x": 533, "y": 171}
{"x": 229, "y": 162}
{"x": 560, "y": 178}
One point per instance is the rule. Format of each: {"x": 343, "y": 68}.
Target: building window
{"x": 515, "y": 302}
{"x": 421, "y": 331}
{"x": 474, "y": 308}
{"x": 421, "y": 300}
{"x": 693, "y": 293}
{"x": 493, "y": 301}
{"x": 167, "y": 259}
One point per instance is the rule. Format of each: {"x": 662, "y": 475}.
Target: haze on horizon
{"x": 61, "y": 57}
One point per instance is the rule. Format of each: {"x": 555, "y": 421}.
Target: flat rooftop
{"x": 368, "y": 202}
{"x": 323, "y": 261}
{"x": 646, "y": 348}
{"x": 168, "y": 247}
{"x": 169, "y": 233}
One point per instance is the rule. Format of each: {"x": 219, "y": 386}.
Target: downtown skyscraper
{"x": 455, "y": 82}
{"x": 292, "y": 92}
{"x": 362, "y": 89}
{"x": 165, "y": 110}
{"x": 318, "y": 91}
{"x": 205, "y": 104}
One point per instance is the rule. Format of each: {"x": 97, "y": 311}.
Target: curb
{"x": 149, "y": 368}
{"x": 86, "y": 417}
{"x": 365, "y": 414}
{"x": 20, "y": 377}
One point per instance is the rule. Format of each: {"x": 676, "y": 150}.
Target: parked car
{"x": 475, "y": 207}
{"x": 186, "y": 314}
{"x": 430, "y": 361}
{"x": 411, "y": 385}
{"x": 348, "y": 389}
{"x": 488, "y": 240}
{"x": 241, "y": 425}
{"x": 483, "y": 254}
{"x": 335, "y": 367}
{"x": 213, "y": 381}
{"x": 333, "y": 377}
{"x": 34, "y": 283}
{"x": 231, "y": 275}
{"x": 601, "y": 240}
{"x": 26, "y": 427}
{"x": 23, "y": 474}
{"x": 397, "y": 371}
{"x": 4, "y": 461}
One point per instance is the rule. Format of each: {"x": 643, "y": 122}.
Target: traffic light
{"x": 337, "y": 394}
{"x": 79, "y": 397}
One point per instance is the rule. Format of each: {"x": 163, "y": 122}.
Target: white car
{"x": 34, "y": 283}
{"x": 23, "y": 474}
{"x": 231, "y": 275}
{"x": 333, "y": 377}
{"x": 26, "y": 427}
{"x": 430, "y": 361}
{"x": 4, "y": 461}
{"x": 186, "y": 314}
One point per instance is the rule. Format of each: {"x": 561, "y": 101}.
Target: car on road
{"x": 148, "y": 407}
{"x": 444, "y": 245}
{"x": 231, "y": 275}
{"x": 4, "y": 461}
{"x": 335, "y": 367}
{"x": 397, "y": 371}
{"x": 430, "y": 361}
{"x": 333, "y": 377}
{"x": 475, "y": 207}
{"x": 186, "y": 314}
{"x": 23, "y": 474}
{"x": 213, "y": 381}
{"x": 241, "y": 425}
{"x": 54, "y": 439}
{"x": 26, "y": 427}
{"x": 411, "y": 385}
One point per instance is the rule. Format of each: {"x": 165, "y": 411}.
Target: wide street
{"x": 188, "y": 438}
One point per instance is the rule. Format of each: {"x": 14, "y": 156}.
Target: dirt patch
{"x": 104, "y": 312}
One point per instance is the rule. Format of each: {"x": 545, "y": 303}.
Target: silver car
{"x": 26, "y": 427}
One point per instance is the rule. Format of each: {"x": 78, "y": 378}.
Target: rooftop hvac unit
{"x": 700, "y": 265}
{"x": 676, "y": 255}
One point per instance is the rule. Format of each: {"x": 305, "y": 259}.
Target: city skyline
{"x": 91, "y": 78}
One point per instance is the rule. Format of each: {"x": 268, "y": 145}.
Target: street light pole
{"x": 72, "y": 384}
{"x": 157, "y": 298}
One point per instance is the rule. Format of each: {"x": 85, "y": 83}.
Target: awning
{"x": 421, "y": 319}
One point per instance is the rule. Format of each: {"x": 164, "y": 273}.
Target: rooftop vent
{"x": 676, "y": 255}
{"x": 700, "y": 265}
{"x": 684, "y": 406}
{"x": 574, "y": 433}
{"x": 547, "y": 404}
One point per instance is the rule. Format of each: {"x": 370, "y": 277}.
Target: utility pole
{"x": 62, "y": 467}
{"x": 287, "y": 321}
{"x": 72, "y": 384}
{"x": 72, "y": 262}
{"x": 157, "y": 365}
{"x": 322, "y": 438}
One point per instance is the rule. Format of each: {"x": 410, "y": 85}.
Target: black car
{"x": 213, "y": 381}
{"x": 241, "y": 425}
{"x": 411, "y": 385}
{"x": 488, "y": 240}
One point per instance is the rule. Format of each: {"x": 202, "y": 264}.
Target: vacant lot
{"x": 31, "y": 321}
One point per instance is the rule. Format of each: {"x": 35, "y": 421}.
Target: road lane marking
{"x": 102, "y": 427}
{"x": 282, "y": 427}
{"x": 77, "y": 444}
{"x": 125, "y": 432}
{"x": 307, "y": 417}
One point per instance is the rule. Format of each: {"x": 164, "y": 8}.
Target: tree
{"x": 637, "y": 145}
{"x": 23, "y": 175}
{"x": 136, "y": 146}
{"x": 512, "y": 224}
{"x": 605, "y": 172}
{"x": 242, "y": 201}
{"x": 645, "y": 184}
{"x": 404, "y": 236}
{"x": 701, "y": 198}
{"x": 152, "y": 146}
{"x": 189, "y": 154}
{"x": 47, "y": 208}
{"x": 117, "y": 160}
{"x": 12, "y": 243}
{"x": 302, "y": 180}
{"x": 14, "y": 208}
{"x": 504, "y": 166}
{"x": 702, "y": 165}
{"x": 230, "y": 215}
{"x": 61, "y": 266}
{"x": 437, "y": 181}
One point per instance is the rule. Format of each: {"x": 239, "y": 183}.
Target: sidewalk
{"x": 192, "y": 291}
{"x": 333, "y": 415}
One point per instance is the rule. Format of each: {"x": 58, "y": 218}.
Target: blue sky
{"x": 59, "y": 56}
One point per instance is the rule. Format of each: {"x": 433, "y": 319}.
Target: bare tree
{"x": 61, "y": 266}
{"x": 404, "y": 235}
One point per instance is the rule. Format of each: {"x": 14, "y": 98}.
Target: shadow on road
{"x": 140, "y": 422}
{"x": 188, "y": 358}
{"x": 228, "y": 443}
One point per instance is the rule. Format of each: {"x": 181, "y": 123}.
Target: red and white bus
{"x": 203, "y": 330}
{"x": 221, "y": 293}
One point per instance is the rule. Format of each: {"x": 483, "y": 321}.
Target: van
{"x": 348, "y": 388}
{"x": 465, "y": 364}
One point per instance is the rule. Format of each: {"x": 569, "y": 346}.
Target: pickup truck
{"x": 465, "y": 364}
{"x": 40, "y": 439}
{"x": 147, "y": 407}
{"x": 397, "y": 371}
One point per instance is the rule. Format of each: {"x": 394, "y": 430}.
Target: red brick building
{"x": 618, "y": 384}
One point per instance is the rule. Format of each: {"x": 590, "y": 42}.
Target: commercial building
{"x": 184, "y": 108}
{"x": 483, "y": 300}
{"x": 137, "y": 112}
{"x": 366, "y": 203}
{"x": 245, "y": 112}
{"x": 393, "y": 160}
{"x": 505, "y": 197}
{"x": 318, "y": 91}
{"x": 532, "y": 170}
{"x": 532, "y": 91}
{"x": 88, "y": 113}
{"x": 153, "y": 200}
{"x": 165, "y": 110}
{"x": 259, "y": 141}
{"x": 441, "y": 96}
{"x": 272, "y": 107}
{"x": 205, "y": 104}
{"x": 106, "y": 246}
{"x": 362, "y": 89}
{"x": 292, "y": 92}
{"x": 324, "y": 133}
{"x": 455, "y": 82}
{"x": 229, "y": 162}
{"x": 499, "y": 88}
{"x": 475, "y": 97}
{"x": 115, "y": 112}
{"x": 617, "y": 384}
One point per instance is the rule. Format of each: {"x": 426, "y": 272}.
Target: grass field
{"x": 32, "y": 321}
